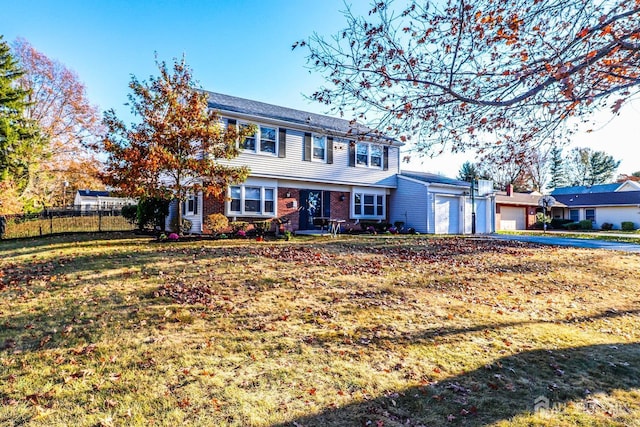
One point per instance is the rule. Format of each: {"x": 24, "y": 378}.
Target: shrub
{"x": 560, "y": 223}
{"x": 186, "y": 226}
{"x": 152, "y": 212}
{"x": 130, "y": 213}
{"x": 217, "y": 223}
{"x": 628, "y": 226}
{"x": 606, "y": 226}
{"x": 572, "y": 226}
{"x": 237, "y": 226}
{"x": 586, "y": 224}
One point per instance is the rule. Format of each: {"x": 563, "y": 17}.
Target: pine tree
{"x": 20, "y": 138}
{"x": 468, "y": 171}
{"x": 556, "y": 169}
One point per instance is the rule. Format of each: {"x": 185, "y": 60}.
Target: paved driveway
{"x": 566, "y": 241}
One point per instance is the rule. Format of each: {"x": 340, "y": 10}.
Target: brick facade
{"x": 288, "y": 205}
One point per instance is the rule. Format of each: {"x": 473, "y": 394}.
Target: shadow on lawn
{"x": 507, "y": 388}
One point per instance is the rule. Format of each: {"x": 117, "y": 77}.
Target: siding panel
{"x": 293, "y": 166}
{"x": 409, "y": 204}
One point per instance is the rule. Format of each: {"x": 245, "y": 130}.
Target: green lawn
{"x": 355, "y": 331}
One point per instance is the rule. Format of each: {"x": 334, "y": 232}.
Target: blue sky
{"x": 240, "y": 47}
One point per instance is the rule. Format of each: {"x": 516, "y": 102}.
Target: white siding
{"x": 295, "y": 168}
{"x": 196, "y": 220}
{"x": 615, "y": 215}
{"x": 409, "y": 203}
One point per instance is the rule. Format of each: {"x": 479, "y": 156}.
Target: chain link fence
{"x": 62, "y": 221}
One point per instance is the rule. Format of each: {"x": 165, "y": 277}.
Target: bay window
{"x": 251, "y": 200}
{"x": 368, "y": 205}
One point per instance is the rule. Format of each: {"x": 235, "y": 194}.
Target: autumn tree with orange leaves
{"x": 175, "y": 148}
{"x": 57, "y": 101}
{"x": 462, "y": 75}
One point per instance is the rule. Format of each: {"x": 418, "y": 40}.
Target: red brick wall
{"x": 288, "y": 208}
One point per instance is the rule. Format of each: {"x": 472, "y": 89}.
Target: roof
{"x": 622, "y": 198}
{"x": 526, "y": 199}
{"x": 434, "y": 178}
{"x": 93, "y": 193}
{"x": 587, "y": 189}
{"x": 234, "y": 104}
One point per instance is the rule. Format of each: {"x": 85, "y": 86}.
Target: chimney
{"x": 510, "y": 190}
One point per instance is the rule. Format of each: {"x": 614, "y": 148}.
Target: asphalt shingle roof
{"x": 435, "y": 178}
{"x": 93, "y": 193}
{"x": 219, "y": 101}
{"x": 584, "y": 189}
{"x": 620, "y": 198}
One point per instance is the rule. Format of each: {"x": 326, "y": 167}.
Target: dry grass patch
{"x": 354, "y": 331}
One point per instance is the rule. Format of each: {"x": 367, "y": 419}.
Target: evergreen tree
{"x": 468, "y": 171}
{"x": 556, "y": 169}
{"x": 19, "y": 137}
{"x": 588, "y": 167}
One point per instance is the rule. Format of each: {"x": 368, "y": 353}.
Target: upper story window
{"x": 251, "y": 200}
{"x": 264, "y": 141}
{"x": 319, "y": 148}
{"x": 369, "y": 155}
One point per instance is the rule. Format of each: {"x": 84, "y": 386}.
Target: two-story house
{"x": 304, "y": 166}
{"x": 307, "y": 168}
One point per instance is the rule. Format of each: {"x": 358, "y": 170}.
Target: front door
{"x": 313, "y": 204}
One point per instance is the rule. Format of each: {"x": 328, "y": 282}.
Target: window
{"x": 251, "y": 200}
{"x": 574, "y": 215}
{"x": 264, "y": 141}
{"x": 368, "y": 205}
{"x": 190, "y": 206}
{"x": 369, "y": 155}
{"x": 590, "y": 214}
{"x": 319, "y": 148}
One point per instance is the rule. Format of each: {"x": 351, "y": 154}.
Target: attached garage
{"x": 447, "y": 213}
{"x": 512, "y": 218}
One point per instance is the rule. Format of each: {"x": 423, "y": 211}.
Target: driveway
{"x": 566, "y": 241}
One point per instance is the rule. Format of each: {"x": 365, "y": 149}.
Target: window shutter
{"x": 329, "y": 149}
{"x": 385, "y": 159}
{"x": 307, "y": 147}
{"x": 282, "y": 143}
{"x": 231, "y": 122}
{"x": 352, "y": 154}
{"x": 195, "y": 205}
{"x": 326, "y": 204}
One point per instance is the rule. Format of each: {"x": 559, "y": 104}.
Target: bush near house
{"x": 627, "y": 226}
{"x": 586, "y": 224}
{"x": 560, "y": 223}
{"x": 606, "y": 226}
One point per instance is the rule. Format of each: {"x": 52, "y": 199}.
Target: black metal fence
{"x": 62, "y": 221}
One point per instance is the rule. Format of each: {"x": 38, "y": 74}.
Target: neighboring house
{"x": 92, "y": 200}
{"x": 516, "y": 211}
{"x": 306, "y": 168}
{"x": 605, "y": 203}
{"x": 435, "y": 204}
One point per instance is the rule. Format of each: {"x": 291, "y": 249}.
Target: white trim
{"x": 369, "y": 165}
{"x": 313, "y": 140}
{"x": 264, "y": 185}
{"x": 258, "y": 138}
{"x": 367, "y": 191}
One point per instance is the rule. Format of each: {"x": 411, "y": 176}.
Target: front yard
{"x": 398, "y": 331}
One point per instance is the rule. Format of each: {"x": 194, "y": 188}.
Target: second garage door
{"x": 447, "y": 219}
{"x": 512, "y": 218}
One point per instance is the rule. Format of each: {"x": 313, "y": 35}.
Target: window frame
{"x": 258, "y": 139}
{"x": 363, "y": 200}
{"x": 190, "y": 205}
{"x": 586, "y": 214}
{"x": 242, "y": 200}
{"x": 369, "y": 163}
{"x": 325, "y": 148}
{"x": 577, "y": 211}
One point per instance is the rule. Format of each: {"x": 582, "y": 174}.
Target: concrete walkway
{"x": 550, "y": 239}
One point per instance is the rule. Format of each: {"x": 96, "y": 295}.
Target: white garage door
{"x": 481, "y": 216}
{"x": 447, "y": 212}
{"x": 512, "y": 218}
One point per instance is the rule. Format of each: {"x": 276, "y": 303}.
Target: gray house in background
{"x": 605, "y": 203}
{"x": 435, "y": 204}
